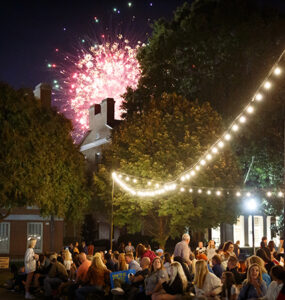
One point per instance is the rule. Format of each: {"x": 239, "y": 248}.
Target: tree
{"x": 220, "y": 51}
{"x": 39, "y": 163}
{"x": 163, "y": 142}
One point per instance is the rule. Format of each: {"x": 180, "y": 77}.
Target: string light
{"x": 258, "y": 96}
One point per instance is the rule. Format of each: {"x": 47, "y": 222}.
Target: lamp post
{"x": 251, "y": 206}
{"x": 112, "y": 218}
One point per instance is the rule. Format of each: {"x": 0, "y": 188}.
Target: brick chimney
{"x": 43, "y": 92}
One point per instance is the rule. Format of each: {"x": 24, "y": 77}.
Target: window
{"x": 4, "y": 237}
{"x": 216, "y": 235}
{"x": 239, "y": 231}
{"x": 36, "y": 230}
{"x": 258, "y": 230}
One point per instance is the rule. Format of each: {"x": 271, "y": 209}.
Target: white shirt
{"x": 67, "y": 264}
{"x": 273, "y": 290}
{"x": 30, "y": 262}
{"x": 211, "y": 282}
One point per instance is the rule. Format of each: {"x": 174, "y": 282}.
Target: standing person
{"x": 122, "y": 248}
{"x": 30, "y": 266}
{"x": 201, "y": 249}
{"x": 211, "y": 249}
{"x": 271, "y": 247}
{"x": 253, "y": 287}
{"x": 90, "y": 249}
{"x": 130, "y": 248}
{"x": 182, "y": 249}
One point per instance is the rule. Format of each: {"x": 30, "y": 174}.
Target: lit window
{"x": 4, "y": 237}
{"x": 35, "y": 230}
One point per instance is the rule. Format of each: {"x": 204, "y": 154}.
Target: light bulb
{"x": 269, "y": 194}
{"x": 280, "y": 194}
{"x": 214, "y": 150}
{"x": 149, "y": 183}
{"x": 182, "y": 178}
{"x": 202, "y": 162}
{"x": 258, "y": 97}
{"x": 267, "y": 85}
{"x": 242, "y": 119}
{"x": 187, "y": 176}
{"x": 134, "y": 181}
{"x": 120, "y": 176}
{"x": 209, "y": 192}
{"x": 197, "y": 168}
{"x": 227, "y": 137}
{"x": 157, "y": 185}
{"x": 248, "y": 194}
{"x": 218, "y": 193}
{"x": 249, "y": 109}
{"x": 199, "y": 191}
{"x": 235, "y": 127}
{"x": 238, "y": 194}
{"x": 190, "y": 190}
{"x": 277, "y": 71}
{"x": 209, "y": 156}
{"x": 221, "y": 144}
{"x": 127, "y": 178}
{"x": 192, "y": 172}
{"x": 182, "y": 189}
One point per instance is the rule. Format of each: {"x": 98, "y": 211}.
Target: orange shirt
{"x": 82, "y": 271}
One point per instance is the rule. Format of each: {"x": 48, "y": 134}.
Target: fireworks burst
{"x": 100, "y": 71}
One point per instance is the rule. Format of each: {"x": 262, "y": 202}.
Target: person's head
{"x": 216, "y": 260}
{"x": 116, "y": 255}
{"x": 145, "y": 263}
{"x": 257, "y": 260}
{"x": 82, "y": 257}
{"x": 232, "y": 262}
{"x": 156, "y": 264}
{"x": 159, "y": 252}
{"x": 200, "y": 245}
{"x": 254, "y": 273}
{"x": 200, "y": 274}
{"x": 140, "y": 250}
{"x": 129, "y": 257}
{"x": 271, "y": 245}
{"x": 264, "y": 240}
{"x": 228, "y": 278}
{"x": 129, "y": 243}
{"x": 228, "y": 247}
{"x": 32, "y": 243}
{"x": 186, "y": 238}
{"x": 97, "y": 261}
{"x": 53, "y": 258}
{"x": 278, "y": 274}
{"x": 238, "y": 243}
{"x": 211, "y": 244}
{"x": 167, "y": 257}
{"x": 83, "y": 244}
{"x": 177, "y": 270}
{"x": 71, "y": 246}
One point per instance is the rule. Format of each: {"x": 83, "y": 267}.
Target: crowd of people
{"x": 207, "y": 272}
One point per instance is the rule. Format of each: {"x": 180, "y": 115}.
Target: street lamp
{"x": 251, "y": 205}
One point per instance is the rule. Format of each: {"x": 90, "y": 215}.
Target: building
{"x": 101, "y": 123}
{"x": 27, "y": 222}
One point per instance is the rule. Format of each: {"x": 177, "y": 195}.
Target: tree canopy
{"x": 163, "y": 142}
{"x": 39, "y": 163}
{"x": 220, "y": 52}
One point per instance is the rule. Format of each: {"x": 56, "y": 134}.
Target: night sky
{"x": 32, "y": 30}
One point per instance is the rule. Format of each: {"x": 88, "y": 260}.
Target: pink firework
{"x": 102, "y": 71}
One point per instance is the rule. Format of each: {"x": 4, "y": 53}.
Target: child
{"x": 229, "y": 289}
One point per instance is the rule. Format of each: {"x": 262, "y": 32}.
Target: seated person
{"x": 133, "y": 265}
{"x": 232, "y": 267}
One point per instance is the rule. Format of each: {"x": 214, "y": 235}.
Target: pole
{"x": 253, "y": 240}
{"x": 112, "y": 221}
